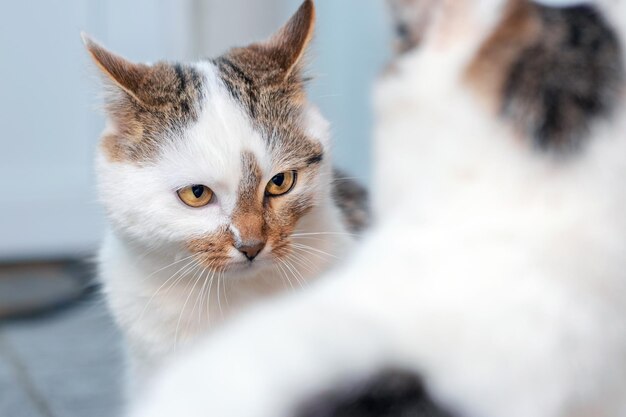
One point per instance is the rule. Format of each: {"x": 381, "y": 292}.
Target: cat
{"x": 219, "y": 189}
{"x": 493, "y": 282}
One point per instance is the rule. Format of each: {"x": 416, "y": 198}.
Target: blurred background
{"x": 59, "y": 352}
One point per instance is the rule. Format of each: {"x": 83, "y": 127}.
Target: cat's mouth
{"x": 241, "y": 265}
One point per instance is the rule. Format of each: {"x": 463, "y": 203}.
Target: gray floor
{"x": 63, "y": 364}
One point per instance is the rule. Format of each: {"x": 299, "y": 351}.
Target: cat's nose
{"x": 251, "y": 250}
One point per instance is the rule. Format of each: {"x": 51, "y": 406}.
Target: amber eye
{"x": 281, "y": 183}
{"x": 195, "y": 195}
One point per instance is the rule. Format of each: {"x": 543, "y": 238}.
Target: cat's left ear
{"x": 287, "y": 46}
{"x": 126, "y": 75}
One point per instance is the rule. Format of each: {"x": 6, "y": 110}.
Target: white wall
{"x": 48, "y": 130}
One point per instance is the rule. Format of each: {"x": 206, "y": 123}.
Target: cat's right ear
{"x": 126, "y": 75}
{"x": 287, "y": 46}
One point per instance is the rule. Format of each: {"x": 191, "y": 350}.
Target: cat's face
{"x": 222, "y": 157}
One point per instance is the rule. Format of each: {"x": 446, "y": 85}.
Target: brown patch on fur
{"x": 352, "y": 199}
{"x": 266, "y": 78}
{"x": 551, "y": 72}
{"x": 489, "y": 70}
{"x": 146, "y": 102}
{"x": 213, "y": 250}
{"x": 282, "y": 218}
{"x": 248, "y": 217}
{"x": 109, "y": 142}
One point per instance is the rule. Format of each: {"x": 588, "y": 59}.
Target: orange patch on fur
{"x": 213, "y": 250}
{"x": 488, "y": 71}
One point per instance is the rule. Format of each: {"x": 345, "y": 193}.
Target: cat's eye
{"x": 195, "y": 195}
{"x": 281, "y": 183}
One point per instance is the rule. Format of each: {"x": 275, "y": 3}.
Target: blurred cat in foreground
{"x": 493, "y": 284}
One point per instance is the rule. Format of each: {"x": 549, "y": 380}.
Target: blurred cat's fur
{"x": 494, "y": 283}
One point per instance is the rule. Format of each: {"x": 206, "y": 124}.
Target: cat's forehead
{"x": 275, "y": 105}
{"x": 244, "y": 109}
{"x": 218, "y": 109}
{"x": 225, "y": 128}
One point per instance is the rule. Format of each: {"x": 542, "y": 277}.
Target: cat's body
{"x": 218, "y": 184}
{"x": 495, "y": 277}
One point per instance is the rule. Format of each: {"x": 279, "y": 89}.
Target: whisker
{"x": 281, "y": 276}
{"x": 197, "y": 294}
{"x": 200, "y": 296}
{"x": 303, "y": 246}
{"x": 163, "y": 285}
{"x": 285, "y": 274}
{"x": 319, "y": 239}
{"x": 282, "y": 261}
{"x": 182, "y": 311}
{"x": 208, "y": 297}
{"x": 304, "y": 251}
{"x": 224, "y": 287}
{"x": 219, "y": 302}
{"x": 298, "y": 261}
{"x": 168, "y": 266}
{"x": 299, "y": 234}
{"x": 182, "y": 276}
{"x": 296, "y": 273}
{"x": 305, "y": 260}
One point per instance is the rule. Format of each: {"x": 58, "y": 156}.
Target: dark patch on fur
{"x": 316, "y": 159}
{"x": 175, "y": 101}
{"x": 274, "y": 104}
{"x": 388, "y": 394}
{"x": 239, "y": 84}
{"x": 267, "y": 80}
{"x": 145, "y": 101}
{"x": 568, "y": 77}
{"x": 352, "y": 199}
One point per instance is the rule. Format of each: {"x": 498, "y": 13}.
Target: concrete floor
{"x": 67, "y": 363}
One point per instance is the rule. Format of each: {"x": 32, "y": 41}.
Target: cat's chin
{"x": 250, "y": 268}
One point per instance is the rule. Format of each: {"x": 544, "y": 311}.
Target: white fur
{"x": 496, "y": 273}
{"x": 145, "y": 247}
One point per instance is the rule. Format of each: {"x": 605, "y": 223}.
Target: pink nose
{"x": 251, "y": 249}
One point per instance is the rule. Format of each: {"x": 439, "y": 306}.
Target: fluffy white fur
{"x": 496, "y": 273}
{"x": 158, "y": 294}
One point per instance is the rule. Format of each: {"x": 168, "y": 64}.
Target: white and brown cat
{"x": 217, "y": 181}
{"x": 494, "y": 283}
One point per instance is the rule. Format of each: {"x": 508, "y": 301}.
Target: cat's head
{"x": 485, "y": 87}
{"x": 549, "y": 68}
{"x": 221, "y": 157}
